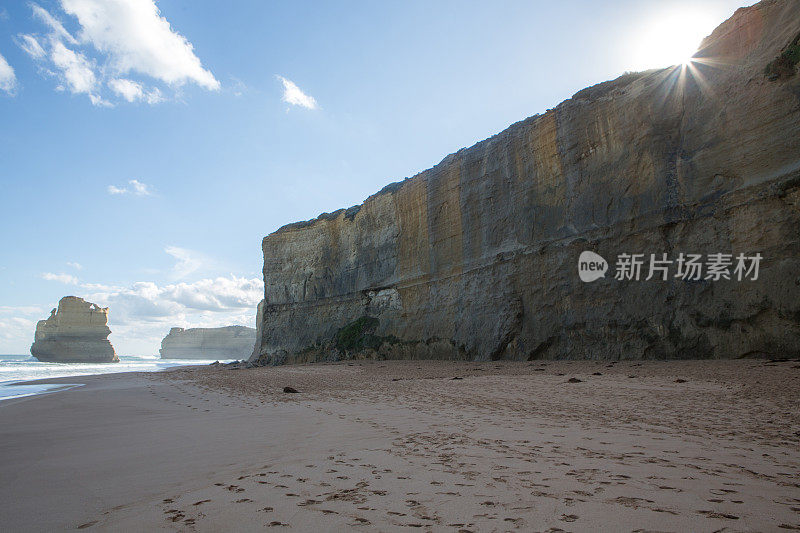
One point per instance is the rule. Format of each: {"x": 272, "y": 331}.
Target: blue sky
{"x": 146, "y": 148}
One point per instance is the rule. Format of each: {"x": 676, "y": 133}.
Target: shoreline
{"x": 21, "y": 371}
{"x": 390, "y": 445}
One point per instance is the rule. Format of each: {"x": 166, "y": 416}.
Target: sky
{"x": 146, "y": 147}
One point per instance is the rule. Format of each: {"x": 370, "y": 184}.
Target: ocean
{"x": 17, "y": 368}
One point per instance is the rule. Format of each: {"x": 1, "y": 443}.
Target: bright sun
{"x": 671, "y": 39}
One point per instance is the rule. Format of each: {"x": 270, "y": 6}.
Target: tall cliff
{"x": 229, "y": 342}
{"x": 76, "y": 332}
{"x": 477, "y": 257}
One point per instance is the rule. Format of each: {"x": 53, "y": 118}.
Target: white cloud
{"x": 17, "y": 331}
{"x": 58, "y": 32}
{"x": 123, "y": 37}
{"x": 137, "y": 188}
{"x": 149, "y": 301}
{"x": 69, "y": 279}
{"x": 76, "y": 266}
{"x": 8, "y": 80}
{"x": 141, "y": 314}
{"x": 136, "y": 38}
{"x": 32, "y": 47}
{"x": 17, "y": 325}
{"x": 216, "y": 294}
{"x": 78, "y": 72}
{"x": 99, "y": 101}
{"x": 294, "y": 96}
{"x": 133, "y": 91}
{"x": 189, "y": 261}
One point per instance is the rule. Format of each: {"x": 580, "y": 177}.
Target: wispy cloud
{"x": 31, "y": 46}
{"x": 136, "y": 38}
{"x": 17, "y": 325}
{"x": 133, "y": 91}
{"x": 77, "y": 71}
{"x": 8, "y": 80}
{"x": 68, "y": 279}
{"x": 20, "y": 310}
{"x": 293, "y": 95}
{"x": 188, "y": 261}
{"x": 137, "y": 188}
{"x": 115, "y": 39}
{"x": 57, "y": 29}
{"x": 76, "y": 266}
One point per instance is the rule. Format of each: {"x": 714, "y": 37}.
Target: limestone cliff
{"x": 76, "y": 332}
{"x": 477, "y": 257}
{"x": 230, "y": 342}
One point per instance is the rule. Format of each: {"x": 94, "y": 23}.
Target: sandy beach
{"x": 385, "y": 446}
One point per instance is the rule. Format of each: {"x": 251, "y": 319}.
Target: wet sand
{"x": 385, "y": 446}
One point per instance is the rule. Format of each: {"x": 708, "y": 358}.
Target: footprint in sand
{"x": 569, "y": 517}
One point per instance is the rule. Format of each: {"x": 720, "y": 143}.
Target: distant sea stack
{"x": 477, "y": 257}
{"x": 230, "y": 342}
{"x": 76, "y": 332}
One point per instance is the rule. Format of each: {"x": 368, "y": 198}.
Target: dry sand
{"x": 384, "y": 446}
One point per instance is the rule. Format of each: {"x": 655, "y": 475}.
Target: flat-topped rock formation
{"x": 477, "y": 257}
{"x": 76, "y": 332}
{"x": 229, "y": 342}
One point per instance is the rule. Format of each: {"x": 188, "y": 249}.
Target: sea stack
{"x": 76, "y": 332}
{"x": 477, "y": 258}
{"x": 230, "y": 342}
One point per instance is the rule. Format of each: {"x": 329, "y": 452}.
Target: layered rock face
{"x": 230, "y": 342}
{"x": 76, "y": 332}
{"x": 477, "y": 258}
